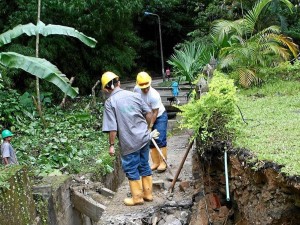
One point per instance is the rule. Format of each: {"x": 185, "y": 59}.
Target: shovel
{"x": 162, "y": 156}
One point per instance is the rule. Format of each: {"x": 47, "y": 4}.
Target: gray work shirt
{"x": 125, "y": 113}
{"x": 7, "y": 151}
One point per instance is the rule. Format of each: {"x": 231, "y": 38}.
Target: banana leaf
{"x": 45, "y": 30}
{"x": 40, "y": 68}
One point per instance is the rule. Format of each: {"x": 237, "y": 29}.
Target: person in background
{"x": 168, "y": 73}
{"x": 7, "y": 151}
{"x": 126, "y": 117}
{"x": 175, "y": 91}
{"x": 159, "y": 119}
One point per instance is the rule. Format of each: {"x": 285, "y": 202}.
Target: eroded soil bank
{"x": 257, "y": 196}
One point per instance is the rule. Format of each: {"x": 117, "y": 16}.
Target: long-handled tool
{"x": 180, "y": 167}
{"x": 162, "y": 156}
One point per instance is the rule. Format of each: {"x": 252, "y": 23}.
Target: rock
{"x": 214, "y": 201}
{"x": 186, "y": 203}
{"x": 171, "y": 204}
{"x": 172, "y": 220}
{"x": 184, "y": 185}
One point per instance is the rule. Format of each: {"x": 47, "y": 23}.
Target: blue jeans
{"x": 136, "y": 165}
{"x": 161, "y": 125}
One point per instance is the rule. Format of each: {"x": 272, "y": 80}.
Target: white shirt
{"x": 152, "y": 99}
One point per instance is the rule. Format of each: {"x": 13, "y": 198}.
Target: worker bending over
{"x": 159, "y": 120}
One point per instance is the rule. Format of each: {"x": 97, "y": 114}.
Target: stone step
{"x": 91, "y": 200}
{"x": 184, "y": 88}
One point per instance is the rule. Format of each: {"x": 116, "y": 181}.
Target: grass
{"x": 273, "y": 116}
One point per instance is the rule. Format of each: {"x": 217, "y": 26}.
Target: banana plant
{"x": 38, "y": 67}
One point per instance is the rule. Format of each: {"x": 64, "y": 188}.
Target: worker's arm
{"x": 112, "y": 138}
{"x": 148, "y": 117}
{"x": 5, "y": 159}
{"x": 153, "y": 119}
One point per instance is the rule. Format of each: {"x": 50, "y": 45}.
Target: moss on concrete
{"x": 16, "y": 201}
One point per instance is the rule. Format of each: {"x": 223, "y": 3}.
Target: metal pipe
{"x": 160, "y": 41}
{"x": 226, "y": 176}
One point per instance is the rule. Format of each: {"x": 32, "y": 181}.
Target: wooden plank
{"x": 87, "y": 206}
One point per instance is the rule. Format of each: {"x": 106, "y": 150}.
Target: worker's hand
{"x": 154, "y": 134}
{"x": 150, "y": 127}
{"x": 112, "y": 150}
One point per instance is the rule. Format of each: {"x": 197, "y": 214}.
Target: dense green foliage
{"x": 109, "y": 22}
{"x": 284, "y": 71}
{"x": 38, "y": 67}
{"x": 245, "y": 45}
{"x": 213, "y": 117}
{"x": 72, "y": 141}
{"x": 129, "y": 42}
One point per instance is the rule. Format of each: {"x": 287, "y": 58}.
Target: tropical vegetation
{"x": 213, "y": 117}
{"x": 247, "y": 45}
{"x": 245, "y": 38}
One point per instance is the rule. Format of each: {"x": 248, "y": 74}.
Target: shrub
{"x": 213, "y": 117}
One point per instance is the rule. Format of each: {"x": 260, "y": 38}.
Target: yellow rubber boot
{"x": 155, "y": 158}
{"x": 147, "y": 187}
{"x": 136, "y": 190}
{"x": 162, "y": 166}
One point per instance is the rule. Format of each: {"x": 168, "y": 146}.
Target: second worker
{"x": 159, "y": 119}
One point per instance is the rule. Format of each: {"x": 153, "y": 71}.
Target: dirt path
{"x": 118, "y": 213}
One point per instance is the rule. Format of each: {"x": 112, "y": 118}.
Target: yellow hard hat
{"x": 143, "y": 80}
{"x": 107, "y": 77}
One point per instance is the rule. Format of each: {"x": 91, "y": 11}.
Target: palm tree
{"x": 245, "y": 47}
{"x": 188, "y": 61}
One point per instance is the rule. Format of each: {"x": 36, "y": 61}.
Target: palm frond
{"x": 290, "y": 6}
{"x": 287, "y": 41}
{"x": 223, "y": 29}
{"x": 253, "y": 14}
{"x": 226, "y": 61}
{"x": 189, "y": 61}
{"x": 247, "y": 77}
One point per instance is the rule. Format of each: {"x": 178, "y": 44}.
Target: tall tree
{"x": 109, "y": 22}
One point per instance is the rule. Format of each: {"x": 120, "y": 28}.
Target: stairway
{"x": 166, "y": 92}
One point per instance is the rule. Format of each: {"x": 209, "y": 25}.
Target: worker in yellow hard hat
{"x": 159, "y": 119}
{"x": 127, "y": 117}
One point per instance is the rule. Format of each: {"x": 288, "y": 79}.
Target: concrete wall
{"x": 47, "y": 203}
{"x": 54, "y": 203}
{"x": 16, "y": 200}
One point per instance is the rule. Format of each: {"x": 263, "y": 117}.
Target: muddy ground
{"x": 164, "y": 200}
